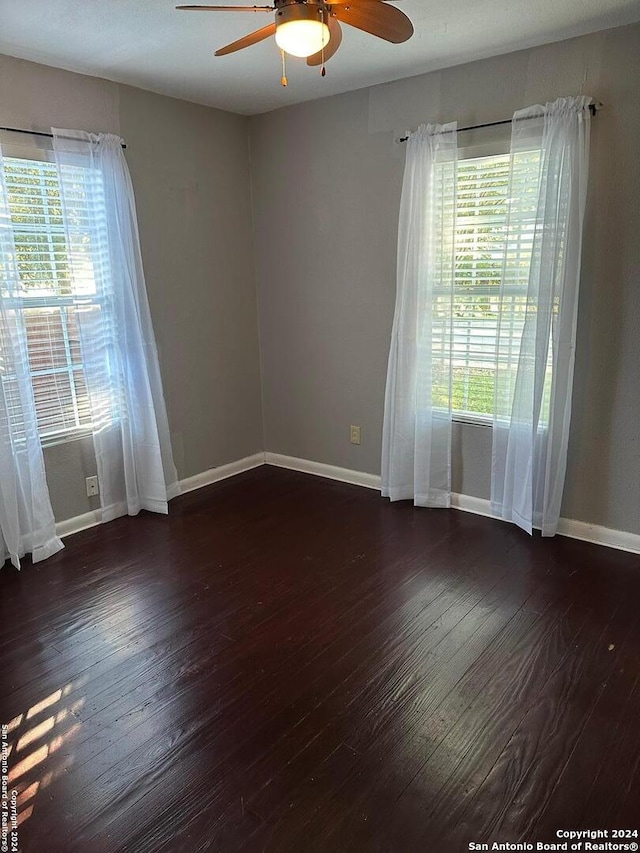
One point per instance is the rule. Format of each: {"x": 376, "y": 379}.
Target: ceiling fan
{"x": 311, "y": 28}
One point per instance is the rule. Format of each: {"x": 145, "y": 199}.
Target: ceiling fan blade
{"x": 375, "y": 17}
{"x": 226, "y": 8}
{"x": 247, "y": 41}
{"x": 335, "y": 38}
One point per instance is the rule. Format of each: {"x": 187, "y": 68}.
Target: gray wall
{"x": 326, "y": 181}
{"x": 326, "y": 188}
{"x": 190, "y": 171}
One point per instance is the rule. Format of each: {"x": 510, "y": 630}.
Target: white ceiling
{"x": 147, "y": 43}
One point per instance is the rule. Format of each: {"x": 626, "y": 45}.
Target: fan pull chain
{"x": 324, "y": 70}
{"x": 284, "y": 80}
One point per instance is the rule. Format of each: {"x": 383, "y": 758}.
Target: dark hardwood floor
{"x": 287, "y": 663}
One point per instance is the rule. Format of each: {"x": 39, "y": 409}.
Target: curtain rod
{"x": 593, "y": 108}
{"x": 34, "y": 132}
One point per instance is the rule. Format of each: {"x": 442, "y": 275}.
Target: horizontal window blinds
{"x": 482, "y": 224}
{"x": 47, "y": 299}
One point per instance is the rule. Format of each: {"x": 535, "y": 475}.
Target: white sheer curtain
{"x": 416, "y": 448}
{"x": 130, "y": 427}
{"x": 26, "y": 519}
{"x": 532, "y": 412}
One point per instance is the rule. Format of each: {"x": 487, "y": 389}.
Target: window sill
{"x": 65, "y": 438}
{"x": 472, "y": 420}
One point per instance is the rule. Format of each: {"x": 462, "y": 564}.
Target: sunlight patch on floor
{"x": 44, "y": 728}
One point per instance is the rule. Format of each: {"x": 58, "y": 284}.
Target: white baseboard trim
{"x": 595, "y": 533}
{"x": 79, "y": 522}
{"x": 620, "y": 539}
{"x": 469, "y": 503}
{"x": 623, "y": 540}
{"x": 222, "y": 472}
{"x": 329, "y": 472}
{"x": 212, "y": 475}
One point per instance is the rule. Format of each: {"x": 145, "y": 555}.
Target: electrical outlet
{"x": 92, "y": 487}
{"x": 355, "y": 434}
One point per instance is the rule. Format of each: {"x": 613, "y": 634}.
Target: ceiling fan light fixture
{"x": 302, "y": 38}
{"x": 301, "y": 29}
{"x": 311, "y": 28}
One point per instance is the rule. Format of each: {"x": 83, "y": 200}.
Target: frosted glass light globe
{"x": 302, "y": 37}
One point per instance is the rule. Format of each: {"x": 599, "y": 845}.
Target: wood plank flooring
{"x": 286, "y": 663}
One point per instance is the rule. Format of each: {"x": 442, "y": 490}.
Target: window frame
{"x": 28, "y": 151}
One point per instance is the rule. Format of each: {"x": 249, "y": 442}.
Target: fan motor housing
{"x": 294, "y": 10}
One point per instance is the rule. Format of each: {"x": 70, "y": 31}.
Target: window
{"x": 49, "y": 306}
{"x": 480, "y": 237}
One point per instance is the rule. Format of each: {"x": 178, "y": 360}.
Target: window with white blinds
{"x": 480, "y": 237}
{"x": 47, "y": 300}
